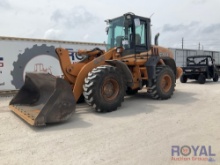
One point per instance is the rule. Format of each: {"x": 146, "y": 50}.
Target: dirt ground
{"x": 141, "y": 132}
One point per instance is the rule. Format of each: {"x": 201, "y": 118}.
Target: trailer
{"x": 21, "y": 55}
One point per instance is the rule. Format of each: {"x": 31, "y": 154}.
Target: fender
{"x": 152, "y": 63}
{"x": 171, "y": 63}
{"x": 151, "y": 67}
{"x": 124, "y": 69}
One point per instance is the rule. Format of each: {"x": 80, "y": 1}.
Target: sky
{"x": 195, "y": 22}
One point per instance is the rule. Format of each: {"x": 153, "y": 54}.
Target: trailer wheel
{"x": 215, "y": 78}
{"x": 201, "y": 79}
{"x": 104, "y": 88}
{"x": 183, "y": 79}
{"x": 164, "y": 83}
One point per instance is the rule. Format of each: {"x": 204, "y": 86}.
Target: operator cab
{"x": 130, "y": 32}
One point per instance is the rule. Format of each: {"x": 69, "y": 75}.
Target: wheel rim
{"x": 166, "y": 83}
{"x": 110, "y": 89}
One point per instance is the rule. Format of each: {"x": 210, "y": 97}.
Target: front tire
{"x": 104, "y": 88}
{"x": 164, "y": 83}
{"x": 183, "y": 79}
{"x": 201, "y": 79}
{"x": 216, "y": 77}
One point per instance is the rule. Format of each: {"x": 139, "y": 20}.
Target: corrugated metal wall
{"x": 180, "y": 55}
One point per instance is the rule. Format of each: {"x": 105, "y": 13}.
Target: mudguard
{"x": 125, "y": 70}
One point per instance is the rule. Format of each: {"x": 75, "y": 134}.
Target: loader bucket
{"x": 43, "y": 99}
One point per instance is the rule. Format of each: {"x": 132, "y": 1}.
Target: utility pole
{"x": 199, "y": 45}
{"x": 182, "y": 43}
{"x": 183, "y": 53}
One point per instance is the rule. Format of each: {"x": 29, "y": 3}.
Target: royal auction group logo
{"x": 192, "y": 153}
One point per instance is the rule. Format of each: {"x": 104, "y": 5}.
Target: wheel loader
{"x": 103, "y": 77}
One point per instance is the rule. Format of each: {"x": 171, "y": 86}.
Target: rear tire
{"x": 183, "y": 79}
{"x": 215, "y": 78}
{"x": 163, "y": 85}
{"x": 201, "y": 79}
{"x": 104, "y": 88}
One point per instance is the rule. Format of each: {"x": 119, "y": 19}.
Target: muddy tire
{"x": 104, "y": 88}
{"x": 163, "y": 85}
{"x": 183, "y": 79}
{"x": 201, "y": 79}
{"x": 216, "y": 77}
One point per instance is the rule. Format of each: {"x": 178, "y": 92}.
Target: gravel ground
{"x": 142, "y": 131}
